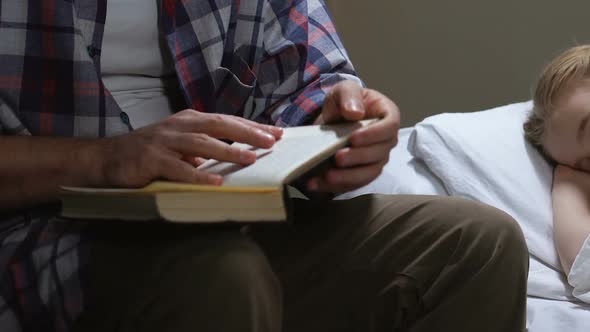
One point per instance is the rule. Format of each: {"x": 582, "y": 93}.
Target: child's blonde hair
{"x": 573, "y": 64}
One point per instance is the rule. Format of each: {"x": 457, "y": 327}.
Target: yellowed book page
{"x": 166, "y": 186}
{"x": 222, "y": 206}
{"x": 289, "y": 157}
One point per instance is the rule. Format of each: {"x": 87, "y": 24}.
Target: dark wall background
{"x": 456, "y": 55}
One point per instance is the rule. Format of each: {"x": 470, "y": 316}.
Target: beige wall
{"x": 456, "y": 55}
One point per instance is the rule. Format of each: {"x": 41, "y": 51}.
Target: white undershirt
{"x": 136, "y": 65}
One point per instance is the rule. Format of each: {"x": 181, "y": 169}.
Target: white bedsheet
{"x": 551, "y": 306}
{"x": 545, "y": 315}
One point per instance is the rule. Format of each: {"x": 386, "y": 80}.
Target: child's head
{"x": 559, "y": 122}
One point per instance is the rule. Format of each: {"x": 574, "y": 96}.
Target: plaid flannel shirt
{"x": 267, "y": 60}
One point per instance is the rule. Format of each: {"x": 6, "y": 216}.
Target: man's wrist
{"x": 89, "y": 163}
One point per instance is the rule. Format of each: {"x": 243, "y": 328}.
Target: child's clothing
{"x": 579, "y": 276}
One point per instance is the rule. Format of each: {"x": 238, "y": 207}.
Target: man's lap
{"x": 46, "y": 263}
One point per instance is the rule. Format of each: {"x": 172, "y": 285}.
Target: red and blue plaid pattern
{"x": 42, "y": 264}
{"x": 268, "y": 60}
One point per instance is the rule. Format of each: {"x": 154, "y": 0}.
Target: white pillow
{"x": 484, "y": 156}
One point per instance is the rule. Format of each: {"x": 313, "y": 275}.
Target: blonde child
{"x": 559, "y": 125}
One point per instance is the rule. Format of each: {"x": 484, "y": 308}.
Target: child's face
{"x": 567, "y": 135}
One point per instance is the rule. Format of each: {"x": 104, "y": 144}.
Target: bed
{"x": 483, "y": 156}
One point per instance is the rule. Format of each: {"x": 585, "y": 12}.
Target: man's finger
{"x": 194, "y": 161}
{"x": 203, "y": 146}
{"x": 349, "y": 157}
{"x": 383, "y": 131}
{"x": 223, "y": 127}
{"x": 277, "y": 132}
{"x": 342, "y": 180}
{"x": 179, "y": 171}
{"x": 343, "y": 102}
{"x": 378, "y": 105}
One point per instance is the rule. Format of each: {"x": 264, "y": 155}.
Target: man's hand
{"x": 363, "y": 160}
{"x": 172, "y": 148}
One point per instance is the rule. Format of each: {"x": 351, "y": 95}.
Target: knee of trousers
{"x": 486, "y": 235}
{"x": 485, "y": 231}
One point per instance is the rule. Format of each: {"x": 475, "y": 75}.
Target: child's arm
{"x": 571, "y": 213}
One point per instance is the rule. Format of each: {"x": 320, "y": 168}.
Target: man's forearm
{"x": 33, "y": 168}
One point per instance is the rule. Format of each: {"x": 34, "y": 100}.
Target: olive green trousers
{"x": 374, "y": 263}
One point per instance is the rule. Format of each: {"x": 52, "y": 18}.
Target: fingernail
{"x": 266, "y": 135}
{"x": 215, "y": 179}
{"x": 247, "y": 157}
{"x": 354, "y": 105}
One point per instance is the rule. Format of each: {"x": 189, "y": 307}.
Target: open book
{"x": 254, "y": 193}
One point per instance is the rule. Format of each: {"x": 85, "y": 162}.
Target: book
{"x": 254, "y": 193}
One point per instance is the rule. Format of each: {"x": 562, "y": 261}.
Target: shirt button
{"x": 125, "y": 118}
{"x": 91, "y": 51}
